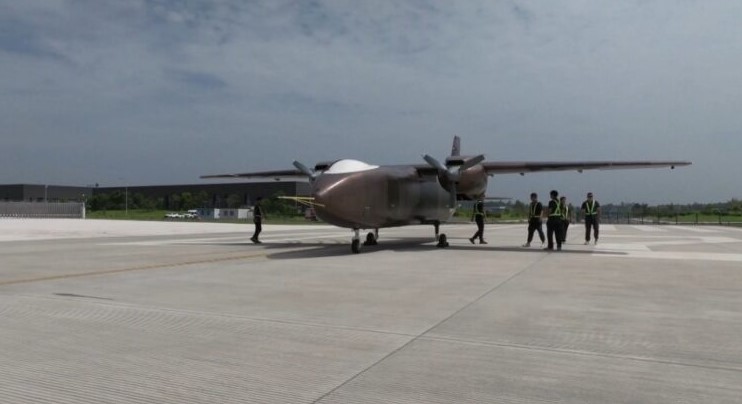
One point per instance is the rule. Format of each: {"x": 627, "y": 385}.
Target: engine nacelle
{"x": 471, "y": 183}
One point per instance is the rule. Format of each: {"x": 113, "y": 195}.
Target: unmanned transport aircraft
{"x": 356, "y": 195}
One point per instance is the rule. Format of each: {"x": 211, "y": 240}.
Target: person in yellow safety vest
{"x": 534, "y": 220}
{"x": 554, "y": 222}
{"x": 591, "y": 209}
{"x": 565, "y": 217}
{"x": 478, "y": 216}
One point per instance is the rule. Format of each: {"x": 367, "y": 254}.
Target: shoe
{"x": 254, "y": 240}
{"x": 559, "y": 248}
{"x": 526, "y": 245}
{"x": 549, "y": 249}
{"x": 471, "y": 240}
{"x": 587, "y": 242}
{"x": 482, "y": 242}
{"x": 596, "y": 242}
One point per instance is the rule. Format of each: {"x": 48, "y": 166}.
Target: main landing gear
{"x": 442, "y": 240}
{"x": 355, "y": 243}
{"x": 371, "y": 237}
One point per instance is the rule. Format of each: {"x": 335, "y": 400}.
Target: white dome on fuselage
{"x": 349, "y": 166}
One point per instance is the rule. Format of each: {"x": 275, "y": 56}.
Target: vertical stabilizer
{"x": 456, "y": 148}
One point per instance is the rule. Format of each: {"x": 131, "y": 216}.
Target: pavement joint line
{"x": 583, "y": 353}
{"x": 131, "y": 269}
{"x": 434, "y": 326}
{"x": 107, "y": 302}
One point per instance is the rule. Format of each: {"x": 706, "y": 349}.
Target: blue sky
{"x": 154, "y": 92}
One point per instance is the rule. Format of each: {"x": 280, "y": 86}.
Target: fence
{"x": 42, "y": 209}
{"x": 658, "y": 217}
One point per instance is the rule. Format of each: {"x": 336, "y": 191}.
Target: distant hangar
{"x": 217, "y": 193}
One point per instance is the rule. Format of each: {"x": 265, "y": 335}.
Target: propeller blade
{"x": 471, "y": 162}
{"x": 304, "y": 169}
{"x": 452, "y": 196}
{"x": 435, "y": 164}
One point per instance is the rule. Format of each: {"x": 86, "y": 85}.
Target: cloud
{"x": 248, "y": 85}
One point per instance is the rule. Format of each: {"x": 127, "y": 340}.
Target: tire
{"x": 370, "y": 239}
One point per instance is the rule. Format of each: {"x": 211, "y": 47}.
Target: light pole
{"x": 46, "y": 187}
{"x": 126, "y": 201}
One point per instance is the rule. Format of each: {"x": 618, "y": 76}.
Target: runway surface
{"x": 131, "y": 312}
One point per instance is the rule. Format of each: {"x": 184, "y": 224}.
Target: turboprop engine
{"x": 462, "y": 177}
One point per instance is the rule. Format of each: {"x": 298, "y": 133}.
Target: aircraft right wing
{"x": 522, "y": 167}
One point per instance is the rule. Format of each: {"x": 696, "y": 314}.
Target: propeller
{"x": 305, "y": 170}
{"x": 450, "y": 176}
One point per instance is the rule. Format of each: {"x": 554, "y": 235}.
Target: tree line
{"x": 119, "y": 200}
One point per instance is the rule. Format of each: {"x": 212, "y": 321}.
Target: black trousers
{"x": 534, "y": 225}
{"x": 480, "y": 228}
{"x": 591, "y": 221}
{"x": 258, "y": 229}
{"x": 565, "y": 226}
{"x": 554, "y": 230}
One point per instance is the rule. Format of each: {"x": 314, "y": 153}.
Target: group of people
{"x": 558, "y": 218}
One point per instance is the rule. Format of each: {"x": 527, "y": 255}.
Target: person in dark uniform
{"x": 591, "y": 209}
{"x": 554, "y": 222}
{"x": 257, "y": 218}
{"x": 565, "y": 217}
{"x": 535, "y": 209}
{"x": 478, "y": 216}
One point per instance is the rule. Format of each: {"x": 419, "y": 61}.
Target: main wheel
{"x": 442, "y": 241}
{"x": 370, "y": 239}
{"x": 355, "y": 246}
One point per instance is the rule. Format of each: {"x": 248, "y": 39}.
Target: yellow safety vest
{"x": 533, "y": 209}
{"x": 557, "y": 212}
{"x": 590, "y": 208}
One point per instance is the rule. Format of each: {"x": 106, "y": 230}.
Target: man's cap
{"x": 589, "y": 194}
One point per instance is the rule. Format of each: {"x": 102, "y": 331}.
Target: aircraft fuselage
{"x": 366, "y": 197}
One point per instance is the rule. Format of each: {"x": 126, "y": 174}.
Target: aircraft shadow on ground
{"x": 318, "y": 249}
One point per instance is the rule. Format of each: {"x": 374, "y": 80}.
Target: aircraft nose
{"x": 336, "y": 201}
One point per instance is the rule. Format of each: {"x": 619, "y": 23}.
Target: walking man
{"x": 478, "y": 216}
{"x": 257, "y": 218}
{"x": 535, "y": 210}
{"x": 591, "y": 209}
{"x": 554, "y": 222}
{"x": 565, "y": 217}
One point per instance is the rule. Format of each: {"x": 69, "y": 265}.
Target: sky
{"x": 149, "y": 92}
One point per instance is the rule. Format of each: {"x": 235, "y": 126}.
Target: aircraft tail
{"x": 455, "y": 159}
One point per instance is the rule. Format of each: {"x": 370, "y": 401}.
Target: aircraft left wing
{"x": 522, "y": 167}
{"x": 277, "y": 174}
